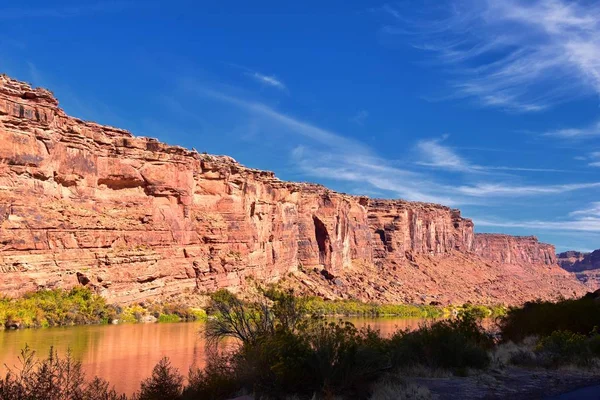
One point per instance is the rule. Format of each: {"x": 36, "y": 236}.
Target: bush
{"x": 166, "y": 383}
{"x": 456, "y": 344}
{"x": 52, "y": 378}
{"x": 543, "y": 318}
{"x": 563, "y": 347}
{"x": 217, "y": 381}
{"x": 284, "y": 351}
{"x": 58, "y": 307}
{"x": 81, "y": 306}
{"x": 318, "y": 306}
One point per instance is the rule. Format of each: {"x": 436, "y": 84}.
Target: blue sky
{"x": 491, "y": 106}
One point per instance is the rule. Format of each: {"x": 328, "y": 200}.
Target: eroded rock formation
{"x": 86, "y": 204}
{"x": 508, "y": 249}
{"x": 586, "y": 266}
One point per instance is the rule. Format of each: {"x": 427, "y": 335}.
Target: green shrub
{"x": 57, "y": 307}
{"x": 217, "y": 381}
{"x": 318, "y": 306}
{"x": 52, "y": 378}
{"x": 563, "y": 347}
{"x": 132, "y": 314}
{"x": 456, "y": 344}
{"x": 166, "y": 383}
{"x": 542, "y": 318}
{"x": 169, "y": 318}
{"x": 343, "y": 358}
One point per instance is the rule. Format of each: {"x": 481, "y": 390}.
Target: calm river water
{"x": 125, "y": 354}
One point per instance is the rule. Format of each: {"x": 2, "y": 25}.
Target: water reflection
{"x": 126, "y": 354}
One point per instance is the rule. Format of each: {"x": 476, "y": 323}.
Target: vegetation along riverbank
{"x": 285, "y": 352}
{"x": 81, "y": 306}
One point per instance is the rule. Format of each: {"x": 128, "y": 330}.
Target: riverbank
{"x": 276, "y": 350}
{"x": 80, "y": 306}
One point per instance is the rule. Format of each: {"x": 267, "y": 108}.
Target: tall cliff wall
{"x": 82, "y": 203}
{"x": 508, "y": 249}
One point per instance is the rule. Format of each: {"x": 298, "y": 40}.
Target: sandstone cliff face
{"x": 514, "y": 249}
{"x": 586, "y": 266}
{"x": 82, "y": 203}
{"x": 575, "y": 261}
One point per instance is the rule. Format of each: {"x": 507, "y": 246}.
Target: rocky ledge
{"x": 586, "y": 266}
{"x": 133, "y": 218}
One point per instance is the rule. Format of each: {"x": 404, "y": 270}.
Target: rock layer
{"x": 508, "y": 249}
{"x": 86, "y": 204}
{"x": 586, "y": 266}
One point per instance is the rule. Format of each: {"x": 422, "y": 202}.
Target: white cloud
{"x": 585, "y": 220}
{"x": 588, "y": 225}
{"x": 514, "y": 54}
{"x": 268, "y": 80}
{"x": 434, "y": 154}
{"x": 505, "y": 190}
{"x": 577, "y": 133}
{"x": 594, "y": 158}
{"x": 592, "y": 211}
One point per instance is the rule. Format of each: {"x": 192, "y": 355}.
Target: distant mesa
{"x": 586, "y": 266}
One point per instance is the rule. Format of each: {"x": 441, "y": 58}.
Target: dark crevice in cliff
{"x": 381, "y": 234}
{"x": 323, "y": 241}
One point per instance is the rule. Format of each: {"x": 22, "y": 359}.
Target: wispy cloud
{"x": 436, "y": 155}
{"x": 360, "y": 117}
{"x": 62, "y": 11}
{"x": 592, "y": 211}
{"x": 263, "y": 79}
{"x": 268, "y": 80}
{"x": 585, "y": 220}
{"x": 507, "y": 190}
{"x": 592, "y": 159}
{"x": 589, "y": 225}
{"x": 513, "y": 54}
{"x": 577, "y": 133}
{"x": 303, "y": 128}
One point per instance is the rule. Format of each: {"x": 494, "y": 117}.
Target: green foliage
{"x": 77, "y": 306}
{"x": 217, "y": 381}
{"x": 81, "y": 306}
{"x": 543, "y": 318}
{"x": 563, "y": 347}
{"x": 166, "y": 383}
{"x": 132, "y": 314}
{"x": 286, "y": 351}
{"x": 169, "y": 318}
{"x": 52, "y": 378}
{"x": 454, "y": 344}
{"x": 318, "y": 306}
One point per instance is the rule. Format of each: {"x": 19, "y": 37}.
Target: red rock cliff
{"x": 514, "y": 249}
{"x": 586, "y": 266}
{"x": 82, "y": 203}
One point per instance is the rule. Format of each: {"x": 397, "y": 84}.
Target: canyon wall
{"x": 133, "y": 218}
{"x": 586, "y": 266}
{"x": 508, "y": 249}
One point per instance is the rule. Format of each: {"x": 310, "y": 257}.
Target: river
{"x": 125, "y": 354}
